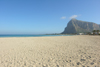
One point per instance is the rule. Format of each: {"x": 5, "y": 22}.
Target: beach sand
{"x": 53, "y": 51}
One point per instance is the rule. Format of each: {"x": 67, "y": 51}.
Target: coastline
{"x": 28, "y": 35}
{"x": 59, "y": 51}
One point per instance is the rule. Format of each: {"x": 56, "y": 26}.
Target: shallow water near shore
{"x": 23, "y": 35}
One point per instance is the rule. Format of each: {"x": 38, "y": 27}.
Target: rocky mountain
{"x": 78, "y": 26}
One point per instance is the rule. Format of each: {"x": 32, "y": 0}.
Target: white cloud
{"x": 63, "y": 17}
{"x": 73, "y": 16}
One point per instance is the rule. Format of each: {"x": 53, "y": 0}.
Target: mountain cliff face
{"x": 77, "y": 26}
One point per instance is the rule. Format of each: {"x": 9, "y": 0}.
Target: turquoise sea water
{"x": 30, "y": 35}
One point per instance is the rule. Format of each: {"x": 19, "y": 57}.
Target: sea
{"x": 25, "y": 35}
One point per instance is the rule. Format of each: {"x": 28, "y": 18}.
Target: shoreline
{"x": 31, "y": 35}
{"x": 49, "y": 36}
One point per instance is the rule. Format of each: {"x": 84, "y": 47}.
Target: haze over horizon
{"x": 46, "y": 16}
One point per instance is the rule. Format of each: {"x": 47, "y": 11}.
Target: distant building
{"x": 99, "y": 32}
{"x": 80, "y": 33}
{"x": 91, "y": 32}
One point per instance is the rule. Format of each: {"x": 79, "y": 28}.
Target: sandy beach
{"x": 53, "y": 51}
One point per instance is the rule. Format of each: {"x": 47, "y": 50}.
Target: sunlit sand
{"x": 56, "y": 51}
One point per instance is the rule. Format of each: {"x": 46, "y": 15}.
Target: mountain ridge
{"x": 78, "y": 26}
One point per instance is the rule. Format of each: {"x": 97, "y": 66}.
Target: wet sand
{"x": 56, "y": 51}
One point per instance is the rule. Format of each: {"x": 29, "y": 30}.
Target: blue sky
{"x": 44, "y": 16}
